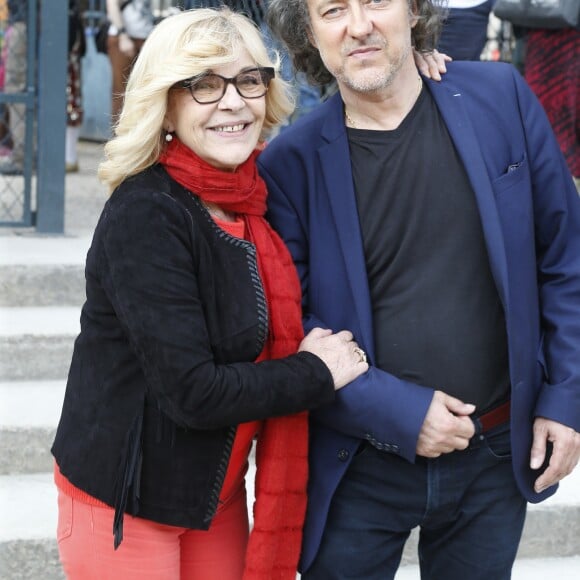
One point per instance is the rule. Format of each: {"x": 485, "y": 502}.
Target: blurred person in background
{"x": 552, "y": 69}
{"x": 15, "y": 66}
{"x": 464, "y": 32}
{"x": 74, "y": 104}
{"x": 131, "y": 23}
{"x": 4, "y": 130}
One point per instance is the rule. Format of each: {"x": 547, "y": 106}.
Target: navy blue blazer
{"x": 530, "y": 212}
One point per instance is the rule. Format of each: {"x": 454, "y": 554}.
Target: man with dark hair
{"x": 440, "y": 224}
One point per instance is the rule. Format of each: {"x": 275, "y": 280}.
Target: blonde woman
{"x": 191, "y": 340}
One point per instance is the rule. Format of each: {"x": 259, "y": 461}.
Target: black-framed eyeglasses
{"x": 210, "y": 87}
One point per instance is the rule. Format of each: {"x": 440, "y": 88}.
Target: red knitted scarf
{"x": 281, "y": 455}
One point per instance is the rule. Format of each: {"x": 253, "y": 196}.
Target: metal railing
{"x": 34, "y": 109}
{"x": 18, "y": 103}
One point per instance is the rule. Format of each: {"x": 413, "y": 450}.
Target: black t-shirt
{"x": 437, "y": 316}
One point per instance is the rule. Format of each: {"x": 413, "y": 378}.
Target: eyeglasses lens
{"x": 211, "y": 87}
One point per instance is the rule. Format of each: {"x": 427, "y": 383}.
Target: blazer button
{"x": 343, "y": 455}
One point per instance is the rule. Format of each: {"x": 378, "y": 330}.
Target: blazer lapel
{"x": 335, "y": 164}
{"x": 450, "y": 102}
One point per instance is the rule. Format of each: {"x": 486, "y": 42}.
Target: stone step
{"x": 42, "y": 271}
{"x": 28, "y": 528}
{"x": 42, "y": 285}
{"x": 29, "y": 515}
{"x": 36, "y": 342}
{"x": 29, "y": 413}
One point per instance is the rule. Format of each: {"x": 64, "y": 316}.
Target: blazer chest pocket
{"x": 516, "y": 174}
{"x": 514, "y": 201}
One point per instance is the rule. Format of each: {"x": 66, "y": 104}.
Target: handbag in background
{"x": 102, "y": 34}
{"x": 539, "y": 13}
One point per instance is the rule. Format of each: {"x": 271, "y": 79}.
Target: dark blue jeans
{"x": 467, "y": 505}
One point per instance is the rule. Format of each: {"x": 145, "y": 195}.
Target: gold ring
{"x": 361, "y": 353}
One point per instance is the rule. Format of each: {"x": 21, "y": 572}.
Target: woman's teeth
{"x": 230, "y": 128}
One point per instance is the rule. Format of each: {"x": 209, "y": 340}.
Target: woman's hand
{"x": 339, "y": 352}
{"x": 431, "y": 64}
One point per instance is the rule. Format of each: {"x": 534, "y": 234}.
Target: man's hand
{"x": 431, "y": 64}
{"x": 565, "y": 451}
{"x": 447, "y": 426}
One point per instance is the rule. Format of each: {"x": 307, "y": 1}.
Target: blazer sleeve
{"x": 148, "y": 273}
{"x": 557, "y": 233}
{"x": 378, "y": 407}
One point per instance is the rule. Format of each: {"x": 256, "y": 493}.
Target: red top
{"x": 246, "y": 432}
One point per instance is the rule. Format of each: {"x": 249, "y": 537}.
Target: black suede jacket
{"x": 162, "y": 370}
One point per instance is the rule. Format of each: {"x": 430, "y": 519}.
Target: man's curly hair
{"x": 290, "y": 22}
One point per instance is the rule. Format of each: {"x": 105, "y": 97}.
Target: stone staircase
{"x": 39, "y": 319}
{"x": 40, "y": 301}
{"x": 41, "y": 292}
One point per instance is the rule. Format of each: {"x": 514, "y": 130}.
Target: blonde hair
{"x": 179, "y": 47}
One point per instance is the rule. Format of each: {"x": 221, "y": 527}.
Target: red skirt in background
{"x": 552, "y": 69}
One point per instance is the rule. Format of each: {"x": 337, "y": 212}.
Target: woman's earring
{"x": 168, "y": 137}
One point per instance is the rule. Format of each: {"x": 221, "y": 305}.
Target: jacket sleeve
{"x": 557, "y": 233}
{"x": 148, "y": 273}
{"x": 378, "y": 407}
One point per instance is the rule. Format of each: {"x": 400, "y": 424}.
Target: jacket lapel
{"x": 335, "y": 165}
{"x": 450, "y": 103}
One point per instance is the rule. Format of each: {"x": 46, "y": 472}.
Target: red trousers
{"x": 151, "y": 551}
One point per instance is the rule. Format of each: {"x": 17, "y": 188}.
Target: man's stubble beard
{"x": 375, "y": 81}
